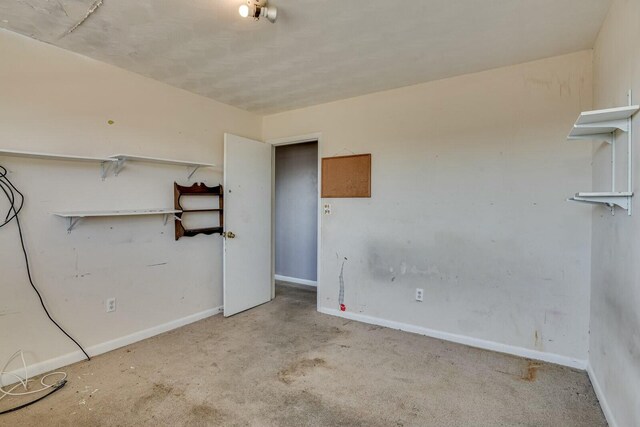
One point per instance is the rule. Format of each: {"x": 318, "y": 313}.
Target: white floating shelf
{"x": 104, "y": 161}
{"x": 75, "y": 217}
{"x": 121, "y": 159}
{"x": 600, "y": 124}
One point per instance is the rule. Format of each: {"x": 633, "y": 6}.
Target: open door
{"x": 247, "y": 275}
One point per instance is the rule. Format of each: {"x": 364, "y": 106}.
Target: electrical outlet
{"x": 419, "y": 294}
{"x": 327, "y": 208}
{"x": 111, "y": 305}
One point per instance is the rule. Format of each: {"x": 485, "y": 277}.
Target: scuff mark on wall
{"x": 156, "y": 265}
{"x": 6, "y": 313}
{"x": 538, "y": 342}
{"x": 90, "y": 12}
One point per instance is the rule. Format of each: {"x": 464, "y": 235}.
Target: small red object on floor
{"x": 343, "y": 307}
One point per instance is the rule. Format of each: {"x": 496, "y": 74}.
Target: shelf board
{"x": 75, "y": 217}
{"x": 52, "y": 156}
{"x": 134, "y": 212}
{"x": 600, "y": 124}
{"x": 130, "y": 158}
{"x": 122, "y": 159}
{"x": 605, "y": 194}
{"x": 608, "y": 115}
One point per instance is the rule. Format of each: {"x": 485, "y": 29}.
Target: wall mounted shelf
{"x": 105, "y": 162}
{"x": 113, "y": 163}
{"x": 602, "y": 125}
{"x": 622, "y": 199}
{"x": 192, "y": 167}
{"x": 197, "y": 190}
{"x": 75, "y": 217}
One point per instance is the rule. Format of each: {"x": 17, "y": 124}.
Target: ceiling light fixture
{"x": 258, "y": 9}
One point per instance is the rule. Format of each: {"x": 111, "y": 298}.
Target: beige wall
{"x": 470, "y": 177}
{"x": 615, "y": 299}
{"x": 56, "y": 101}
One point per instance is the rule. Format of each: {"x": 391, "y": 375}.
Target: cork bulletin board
{"x": 346, "y": 176}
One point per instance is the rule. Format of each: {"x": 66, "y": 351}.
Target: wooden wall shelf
{"x": 199, "y": 190}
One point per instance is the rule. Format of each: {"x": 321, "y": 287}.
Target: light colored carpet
{"x": 284, "y": 364}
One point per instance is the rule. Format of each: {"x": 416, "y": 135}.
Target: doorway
{"x": 296, "y": 199}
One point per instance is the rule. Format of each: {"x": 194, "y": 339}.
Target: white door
{"x": 247, "y": 273}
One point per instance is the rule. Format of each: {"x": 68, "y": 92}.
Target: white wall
{"x": 296, "y": 211}
{"x": 56, "y": 101}
{"x": 469, "y": 181}
{"x": 615, "y": 297}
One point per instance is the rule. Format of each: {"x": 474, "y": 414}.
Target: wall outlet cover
{"x": 327, "y": 208}
{"x": 419, "y": 294}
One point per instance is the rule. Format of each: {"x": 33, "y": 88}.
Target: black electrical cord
{"x": 54, "y": 388}
{"x": 10, "y": 191}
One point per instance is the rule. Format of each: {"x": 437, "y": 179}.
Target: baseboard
{"x": 95, "y": 350}
{"x": 606, "y": 409}
{"x": 295, "y": 280}
{"x": 463, "y": 339}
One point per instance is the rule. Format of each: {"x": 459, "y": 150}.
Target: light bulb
{"x": 243, "y": 10}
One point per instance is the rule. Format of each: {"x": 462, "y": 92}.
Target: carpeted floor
{"x": 284, "y": 364}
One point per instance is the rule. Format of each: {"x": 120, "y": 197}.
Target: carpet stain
{"x": 531, "y": 371}
{"x": 158, "y": 393}
{"x": 205, "y": 415}
{"x": 295, "y": 409}
{"x": 300, "y": 369}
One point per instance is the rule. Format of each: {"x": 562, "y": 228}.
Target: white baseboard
{"x": 462, "y": 339}
{"x": 606, "y": 409}
{"x": 76, "y": 356}
{"x": 295, "y": 280}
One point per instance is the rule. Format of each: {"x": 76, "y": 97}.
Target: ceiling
{"x": 318, "y": 50}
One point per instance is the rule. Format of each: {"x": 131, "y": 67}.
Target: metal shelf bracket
{"x": 73, "y": 221}
{"x": 192, "y": 170}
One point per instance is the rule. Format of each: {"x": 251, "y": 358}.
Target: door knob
{"x": 229, "y": 234}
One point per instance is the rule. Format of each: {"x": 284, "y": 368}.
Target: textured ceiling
{"x": 317, "y": 51}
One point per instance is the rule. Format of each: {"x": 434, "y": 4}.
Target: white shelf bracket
{"x": 104, "y": 169}
{"x": 166, "y": 218}
{"x": 73, "y": 221}
{"x": 621, "y": 201}
{"x": 192, "y": 170}
{"x": 605, "y": 137}
{"x": 119, "y": 165}
{"x": 622, "y": 125}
